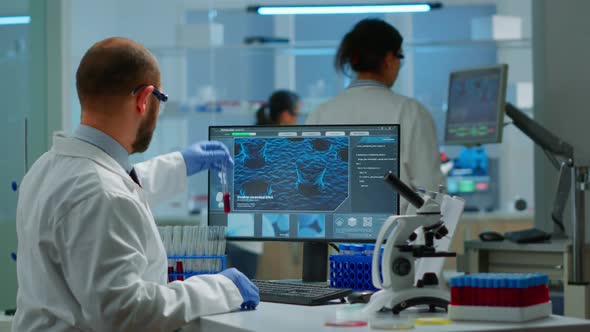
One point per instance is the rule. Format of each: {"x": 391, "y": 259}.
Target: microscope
{"x": 409, "y": 279}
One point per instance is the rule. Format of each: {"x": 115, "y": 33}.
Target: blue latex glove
{"x": 247, "y": 289}
{"x": 204, "y": 155}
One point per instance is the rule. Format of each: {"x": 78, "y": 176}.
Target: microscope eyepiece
{"x": 403, "y": 189}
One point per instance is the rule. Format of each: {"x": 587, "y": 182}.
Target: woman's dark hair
{"x": 364, "y": 48}
{"x": 280, "y": 101}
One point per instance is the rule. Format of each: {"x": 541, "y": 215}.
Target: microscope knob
{"x": 429, "y": 279}
{"x": 441, "y": 232}
{"x": 401, "y": 266}
{"x": 413, "y": 237}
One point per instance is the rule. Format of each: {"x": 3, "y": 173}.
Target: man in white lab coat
{"x": 373, "y": 51}
{"x": 89, "y": 254}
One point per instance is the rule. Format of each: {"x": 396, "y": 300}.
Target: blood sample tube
{"x": 226, "y": 202}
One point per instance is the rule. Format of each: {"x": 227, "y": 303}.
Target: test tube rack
{"x": 177, "y": 263}
{"x": 351, "y": 271}
{"x": 508, "y": 297}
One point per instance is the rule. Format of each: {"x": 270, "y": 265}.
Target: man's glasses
{"x": 401, "y": 58}
{"x": 162, "y": 97}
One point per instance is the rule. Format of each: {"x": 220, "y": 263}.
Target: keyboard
{"x": 298, "y": 293}
{"x": 531, "y": 235}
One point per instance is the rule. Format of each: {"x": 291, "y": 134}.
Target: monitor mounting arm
{"x": 572, "y": 179}
{"x": 539, "y": 134}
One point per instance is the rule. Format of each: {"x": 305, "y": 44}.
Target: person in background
{"x": 282, "y": 108}
{"x": 90, "y": 257}
{"x": 372, "y": 50}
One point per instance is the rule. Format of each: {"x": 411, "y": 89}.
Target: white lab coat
{"x": 89, "y": 254}
{"x": 419, "y": 154}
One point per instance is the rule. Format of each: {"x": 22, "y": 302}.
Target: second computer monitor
{"x": 476, "y": 106}
{"x": 306, "y": 183}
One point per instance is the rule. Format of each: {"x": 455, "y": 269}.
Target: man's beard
{"x": 146, "y": 130}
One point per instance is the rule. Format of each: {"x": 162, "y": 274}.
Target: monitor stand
{"x": 315, "y": 258}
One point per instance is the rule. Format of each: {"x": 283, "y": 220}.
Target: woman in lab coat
{"x": 373, "y": 51}
{"x": 282, "y": 109}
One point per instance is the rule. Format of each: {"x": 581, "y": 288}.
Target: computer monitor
{"x": 476, "y": 101}
{"x": 306, "y": 183}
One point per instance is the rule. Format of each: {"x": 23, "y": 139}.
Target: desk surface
{"x": 283, "y": 318}
{"x": 5, "y": 322}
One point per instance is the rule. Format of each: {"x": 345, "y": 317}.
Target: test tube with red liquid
{"x": 226, "y": 202}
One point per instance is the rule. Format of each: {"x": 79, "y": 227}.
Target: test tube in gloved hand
{"x": 224, "y": 186}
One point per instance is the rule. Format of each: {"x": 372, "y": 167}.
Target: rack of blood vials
{"x": 512, "y": 297}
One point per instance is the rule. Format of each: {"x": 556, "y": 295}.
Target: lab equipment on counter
{"x": 474, "y": 177}
{"x": 359, "y": 297}
{"x": 298, "y": 293}
{"x": 407, "y": 283}
{"x": 346, "y": 323}
{"x": 531, "y": 235}
{"x": 505, "y": 297}
{"x": 491, "y": 236}
{"x": 344, "y": 248}
{"x": 264, "y": 40}
{"x": 193, "y": 250}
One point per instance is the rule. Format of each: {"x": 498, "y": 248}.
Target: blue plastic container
{"x": 351, "y": 271}
{"x": 357, "y": 249}
{"x": 344, "y": 248}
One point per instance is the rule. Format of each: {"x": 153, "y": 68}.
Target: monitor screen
{"x": 476, "y": 106}
{"x": 306, "y": 183}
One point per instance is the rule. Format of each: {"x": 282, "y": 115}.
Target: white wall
{"x": 149, "y": 22}
{"x": 517, "y": 181}
{"x": 14, "y": 8}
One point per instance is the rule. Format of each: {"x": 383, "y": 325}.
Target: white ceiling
{"x": 217, "y": 4}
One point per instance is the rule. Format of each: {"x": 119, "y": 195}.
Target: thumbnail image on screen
{"x": 241, "y": 225}
{"x": 476, "y": 106}
{"x": 311, "y": 225}
{"x": 298, "y": 182}
{"x": 275, "y": 225}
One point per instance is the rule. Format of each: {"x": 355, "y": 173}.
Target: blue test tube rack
{"x": 352, "y": 271}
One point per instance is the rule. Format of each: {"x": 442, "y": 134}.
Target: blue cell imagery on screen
{"x": 311, "y": 225}
{"x": 297, "y": 174}
{"x": 240, "y": 224}
{"x": 275, "y": 225}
